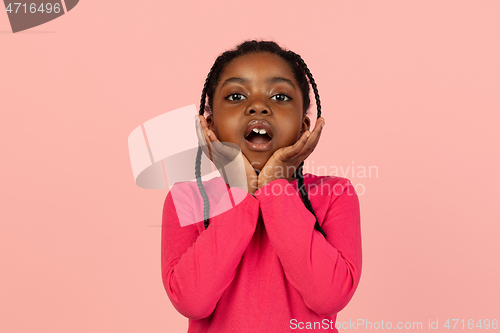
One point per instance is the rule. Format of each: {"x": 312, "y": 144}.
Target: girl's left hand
{"x": 286, "y": 160}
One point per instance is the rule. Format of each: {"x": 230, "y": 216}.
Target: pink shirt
{"x": 261, "y": 266}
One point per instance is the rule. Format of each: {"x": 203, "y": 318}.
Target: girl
{"x": 288, "y": 255}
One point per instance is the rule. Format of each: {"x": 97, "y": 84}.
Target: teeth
{"x": 259, "y": 131}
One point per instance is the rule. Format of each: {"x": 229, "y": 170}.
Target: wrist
{"x": 264, "y": 181}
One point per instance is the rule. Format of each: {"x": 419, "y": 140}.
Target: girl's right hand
{"x": 227, "y": 157}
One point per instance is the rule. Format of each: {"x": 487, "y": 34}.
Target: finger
{"x": 226, "y": 151}
{"x": 297, "y": 148}
{"x": 316, "y": 134}
{"x": 210, "y": 138}
{"x": 313, "y": 139}
{"x": 320, "y": 123}
{"x": 204, "y": 125}
{"x": 201, "y": 132}
{"x": 208, "y": 134}
{"x": 307, "y": 142}
{"x": 215, "y": 147}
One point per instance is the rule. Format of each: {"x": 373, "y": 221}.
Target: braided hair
{"x": 303, "y": 77}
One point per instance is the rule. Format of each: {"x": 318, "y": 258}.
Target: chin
{"x": 258, "y": 163}
{"x": 257, "y": 159}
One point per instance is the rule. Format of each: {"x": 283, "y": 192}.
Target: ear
{"x": 306, "y": 124}
{"x": 210, "y": 122}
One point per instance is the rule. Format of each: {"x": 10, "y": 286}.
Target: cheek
{"x": 289, "y": 136}
{"x": 225, "y": 129}
{"x": 294, "y": 131}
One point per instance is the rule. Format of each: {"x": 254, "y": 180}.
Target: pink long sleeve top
{"x": 260, "y": 266}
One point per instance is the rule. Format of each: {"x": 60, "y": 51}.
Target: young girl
{"x": 287, "y": 255}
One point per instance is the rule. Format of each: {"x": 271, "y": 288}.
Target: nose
{"x": 258, "y": 106}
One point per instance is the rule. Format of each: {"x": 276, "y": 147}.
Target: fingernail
{"x": 208, "y": 134}
{"x": 322, "y": 125}
{"x": 308, "y": 135}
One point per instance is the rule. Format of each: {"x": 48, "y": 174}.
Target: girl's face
{"x": 258, "y": 92}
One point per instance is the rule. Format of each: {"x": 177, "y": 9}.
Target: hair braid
{"x": 298, "y": 173}
{"x": 197, "y": 169}
{"x": 311, "y": 80}
{"x": 305, "y": 198}
{"x": 197, "y": 173}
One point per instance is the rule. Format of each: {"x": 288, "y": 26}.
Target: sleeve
{"x": 198, "y": 267}
{"x": 325, "y": 272}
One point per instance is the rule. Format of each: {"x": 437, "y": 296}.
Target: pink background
{"x": 411, "y": 87}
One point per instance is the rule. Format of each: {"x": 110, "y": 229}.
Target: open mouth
{"x": 258, "y": 135}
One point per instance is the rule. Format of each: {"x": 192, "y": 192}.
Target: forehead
{"x": 261, "y": 64}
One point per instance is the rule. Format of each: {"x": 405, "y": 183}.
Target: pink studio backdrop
{"x": 408, "y": 88}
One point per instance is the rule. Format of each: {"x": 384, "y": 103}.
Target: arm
{"x": 197, "y": 268}
{"x": 325, "y": 272}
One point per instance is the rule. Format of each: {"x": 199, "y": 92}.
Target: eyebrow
{"x": 278, "y": 79}
{"x": 235, "y": 79}
{"x": 274, "y": 79}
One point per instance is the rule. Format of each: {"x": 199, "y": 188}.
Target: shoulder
{"x": 326, "y": 180}
{"x": 191, "y": 188}
{"x": 185, "y": 200}
{"x": 188, "y": 192}
{"x": 332, "y": 186}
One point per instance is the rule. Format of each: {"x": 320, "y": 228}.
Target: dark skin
{"x": 262, "y": 86}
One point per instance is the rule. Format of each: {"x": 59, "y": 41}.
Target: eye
{"x": 235, "y": 97}
{"x": 281, "y": 98}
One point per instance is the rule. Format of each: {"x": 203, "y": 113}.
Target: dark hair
{"x": 301, "y": 74}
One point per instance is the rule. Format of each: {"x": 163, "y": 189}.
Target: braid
{"x": 311, "y": 80}
{"x": 197, "y": 170}
{"x": 206, "y": 203}
{"x": 207, "y": 85}
{"x": 298, "y": 172}
{"x": 300, "y": 70}
{"x": 305, "y": 198}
